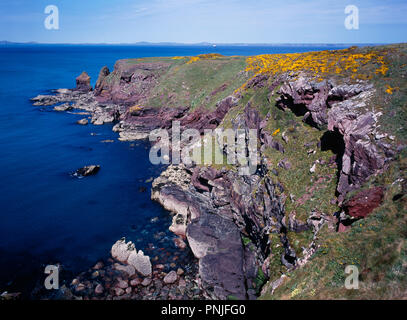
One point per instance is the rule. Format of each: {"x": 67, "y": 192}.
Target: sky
{"x": 194, "y": 21}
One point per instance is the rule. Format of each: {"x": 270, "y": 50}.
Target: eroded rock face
{"x": 213, "y": 209}
{"x": 342, "y": 108}
{"x": 217, "y": 242}
{"x": 130, "y": 83}
{"x": 104, "y": 72}
{"x": 213, "y": 222}
{"x": 362, "y": 156}
{"x": 363, "y": 203}
{"x": 306, "y": 98}
{"x": 138, "y": 125}
{"x": 202, "y": 119}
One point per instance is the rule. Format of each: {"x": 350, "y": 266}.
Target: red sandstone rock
{"x": 362, "y": 204}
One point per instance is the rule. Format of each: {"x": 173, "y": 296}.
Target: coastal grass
{"x": 376, "y": 245}
{"x": 200, "y": 84}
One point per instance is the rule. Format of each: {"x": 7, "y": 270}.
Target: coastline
{"x": 228, "y": 220}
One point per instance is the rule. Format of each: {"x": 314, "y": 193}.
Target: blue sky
{"x": 192, "y": 21}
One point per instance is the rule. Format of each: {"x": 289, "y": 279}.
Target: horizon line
{"x": 141, "y": 43}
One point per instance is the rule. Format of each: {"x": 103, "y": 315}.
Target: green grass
{"x": 377, "y": 245}
{"x": 199, "y": 84}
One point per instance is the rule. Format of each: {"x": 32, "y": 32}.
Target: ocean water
{"x": 48, "y": 216}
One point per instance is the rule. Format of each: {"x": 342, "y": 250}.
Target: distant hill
{"x": 145, "y": 43}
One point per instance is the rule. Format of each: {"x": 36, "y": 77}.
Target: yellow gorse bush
{"x": 317, "y": 63}
{"x": 204, "y": 57}
{"x": 135, "y": 108}
{"x": 276, "y": 132}
{"x": 390, "y": 90}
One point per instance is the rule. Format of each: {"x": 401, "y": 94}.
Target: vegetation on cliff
{"x": 305, "y": 159}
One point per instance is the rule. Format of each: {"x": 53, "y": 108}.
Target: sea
{"x": 48, "y": 216}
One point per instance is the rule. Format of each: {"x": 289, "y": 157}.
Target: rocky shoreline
{"x": 112, "y": 280}
{"x": 225, "y": 218}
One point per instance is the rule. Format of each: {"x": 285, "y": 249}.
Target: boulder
{"x": 122, "y": 284}
{"x": 171, "y": 277}
{"x": 63, "y": 91}
{"x": 128, "y": 269}
{"x": 121, "y": 250}
{"x": 102, "y": 116}
{"x": 135, "y": 282}
{"x": 140, "y": 262}
{"x": 83, "y": 122}
{"x": 146, "y": 282}
{"x": 118, "y": 291}
{"x": 83, "y": 82}
{"x": 99, "y": 289}
{"x": 63, "y": 107}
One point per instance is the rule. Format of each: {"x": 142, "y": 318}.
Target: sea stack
{"x": 83, "y": 82}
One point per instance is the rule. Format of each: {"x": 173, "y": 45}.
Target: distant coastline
{"x": 176, "y": 44}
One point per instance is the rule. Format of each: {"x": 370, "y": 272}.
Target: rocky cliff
{"x": 331, "y": 145}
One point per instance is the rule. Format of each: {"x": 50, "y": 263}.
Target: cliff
{"x": 329, "y": 189}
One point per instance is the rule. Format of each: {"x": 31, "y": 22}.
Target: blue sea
{"x": 46, "y": 215}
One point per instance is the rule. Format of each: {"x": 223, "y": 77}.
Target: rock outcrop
{"x": 136, "y": 125}
{"x": 364, "y": 202}
{"x": 83, "y": 122}
{"x": 87, "y": 171}
{"x": 104, "y": 72}
{"x": 83, "y": 83}
{"x": 130, "y": 83}
{"x": 342, "y": 109}
{"x": 202, "y": 119}
{"x": 63, "y": 107}
{"x": 215, "y": 210}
